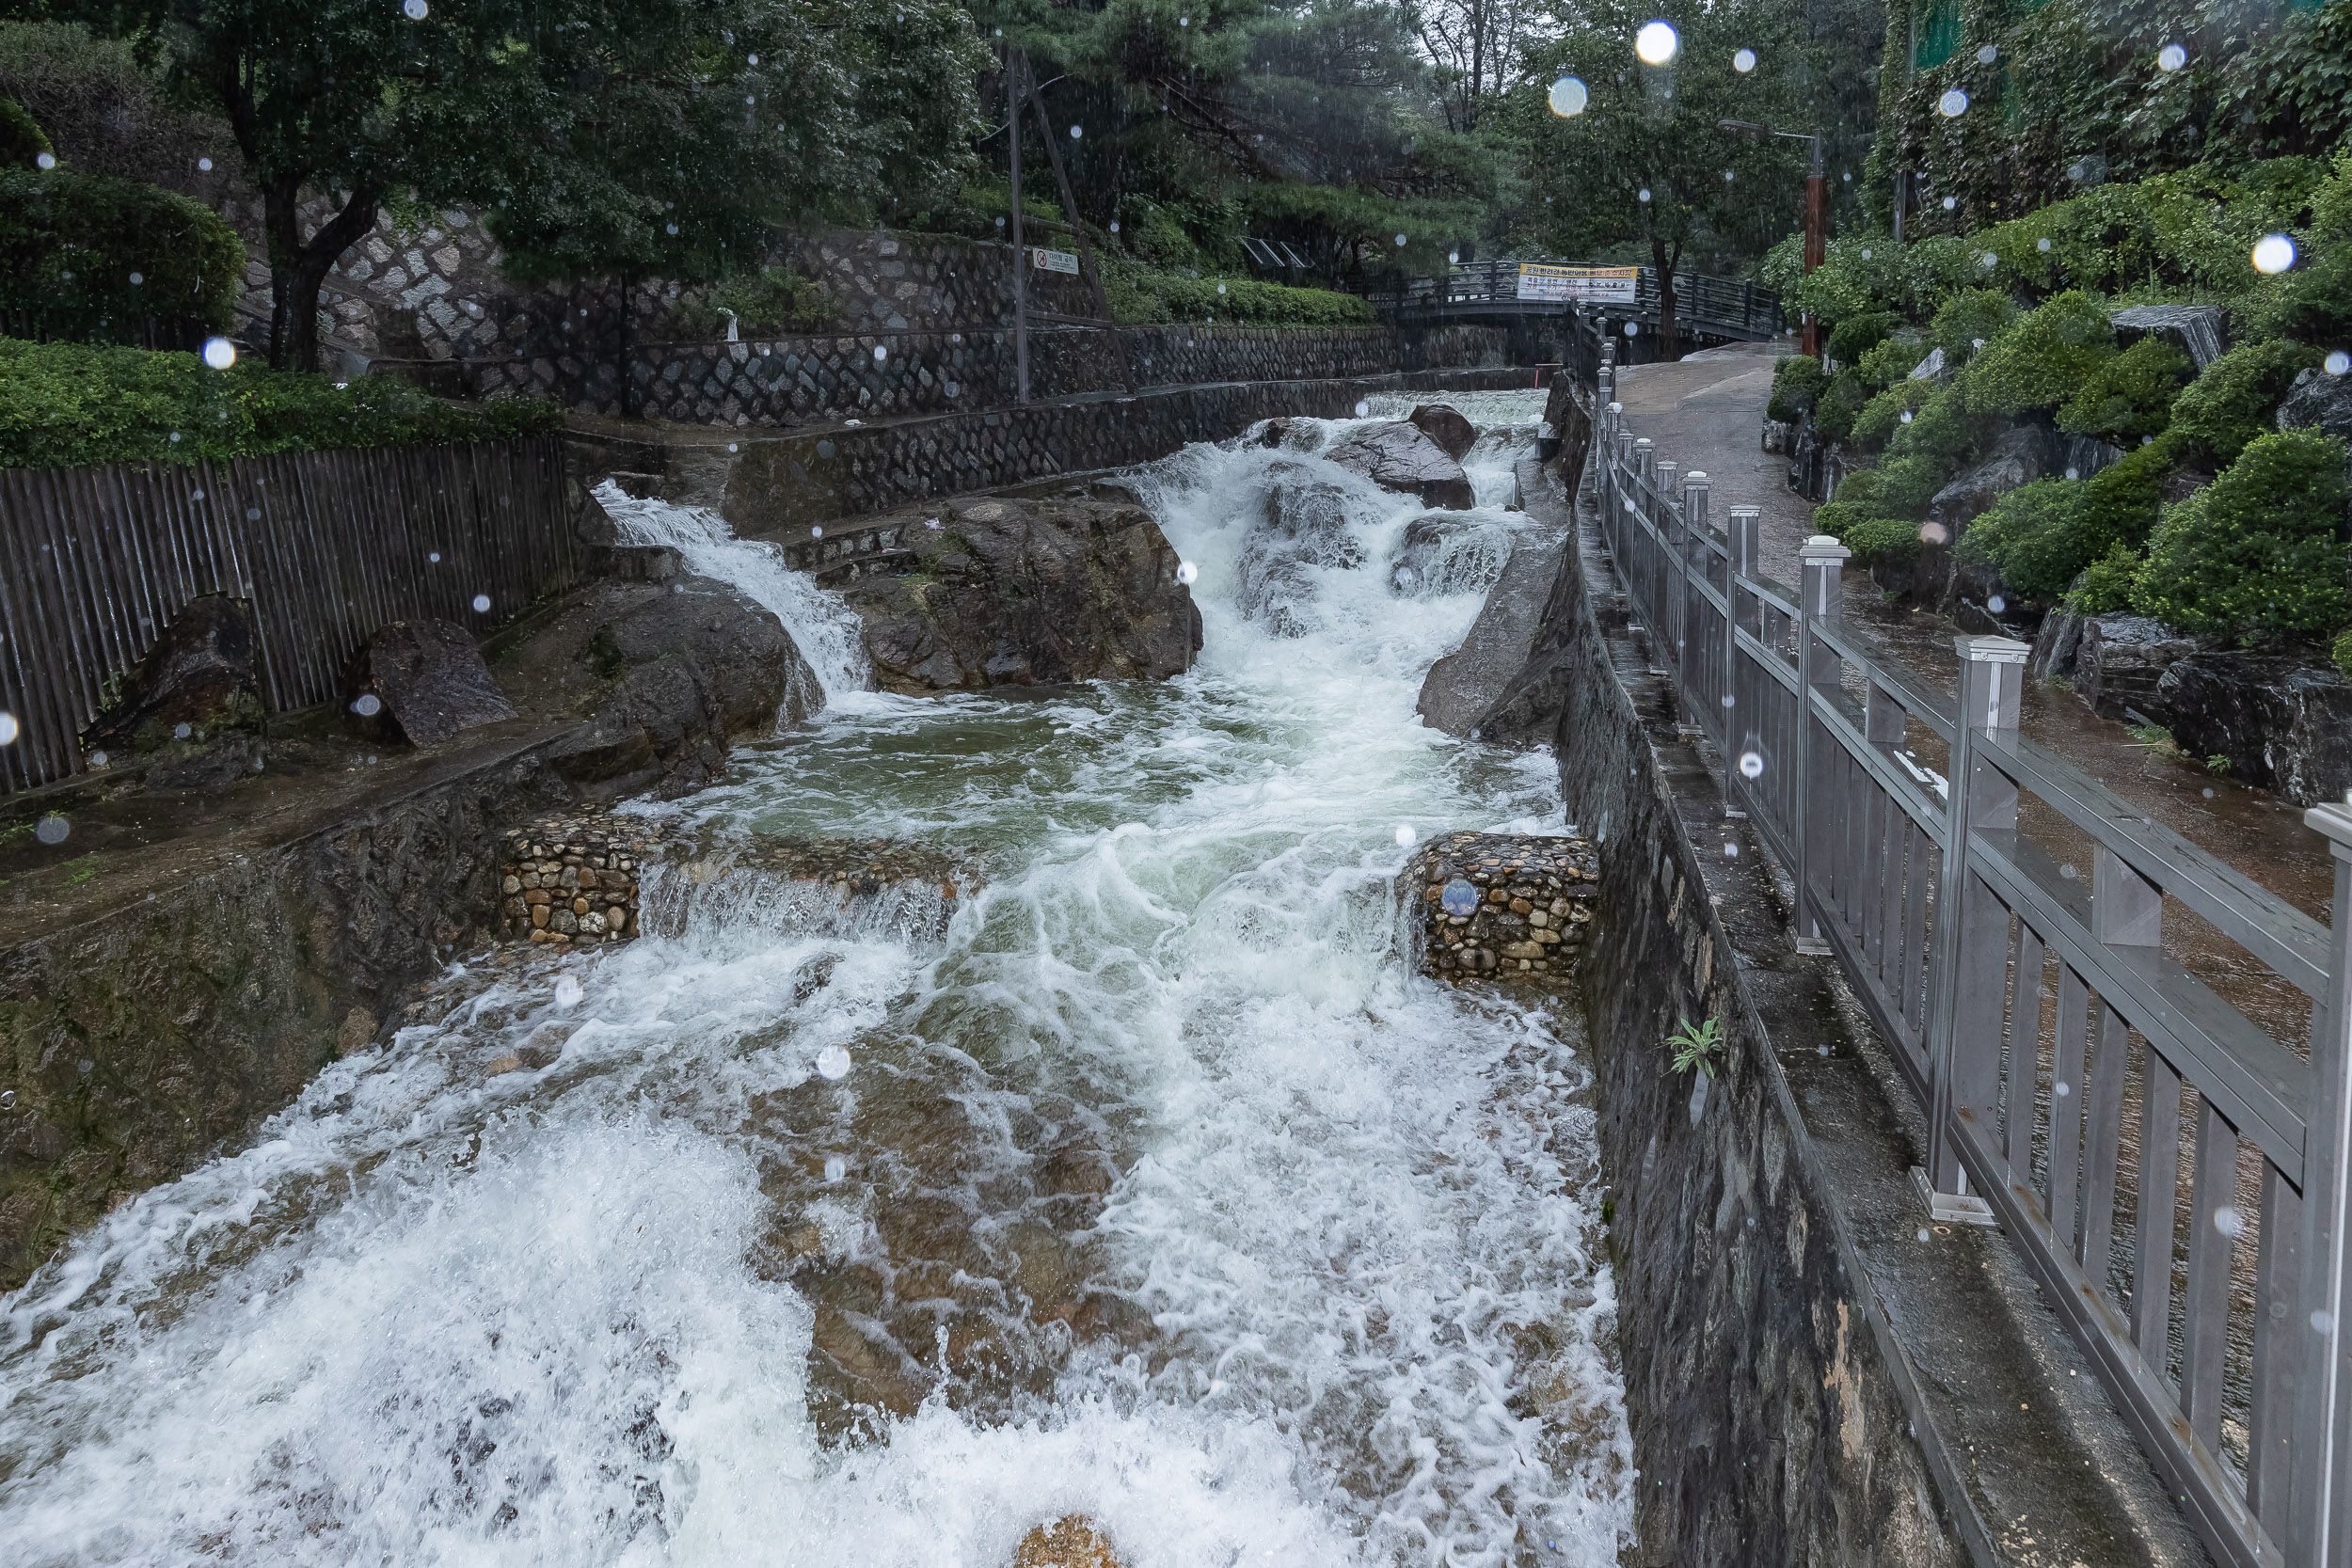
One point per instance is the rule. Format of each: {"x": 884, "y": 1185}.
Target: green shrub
{"x": 1883, "y": 416}
{"x": 2254, "y": 556}
{"x": 2108, "y": 583}
{"x": 1140, "y": 297}
{"x": 2131, "y": 395}
{"x": 2343, "y": 654}
{"x": 22, "y": 140}
{"x": 1883, "y": 541}
{"x": 1943, "y": 430}
{"x": 2042, "y": 361}
{"x": 1906, "y": 484}
{"x": 1967, "y": 318}
{"x": 69, "y": 404}
{"x": 2234, "y": 400}
{"x": 1797, "y": 382}
{"x": 1890, "y": 361}
{"x": 95, "y": 255}
{"x": 1834, "y": 414}
{"x": 2032, "y": 534}
{"x": 774, "y": 299}
{"x": 1857, "y": 335}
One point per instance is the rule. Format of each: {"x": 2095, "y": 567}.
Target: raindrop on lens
{"x": 2273, "y": 253}
{"x": 1362, "y": 409}
{"x": 816, "y": 531}
{"x": 834, "y": 1062}
{"x": 1405, "y": 837}
{"x": 1996, "y": 604}
{"x": 1931, "y": 533}
{"x": 835, "y": 1168}
{"x": 52, "y": 829}
{"x": 1567, "y": 97}
{"x": 1906, "y": 415}
{"x": 2073, "y": 473}
{"x": 7, "y": 729}
{"x": 44, "y": 160}
{"x": 219, "y": 353}
{"x": 567, "y": 992}
{"x": 434, "y": 558}
{"x": 1751, "y": 766}
{"x": 2172, "y": 58}
{"x": 1953, "y": 104}
{"x": 2229, "y": 1221}
{"x": 1186, "y": 573}
{"x": 1987, "y": 55}
{"x": 1631, "y": 328}
{"x": 415, "y": 9}
{"x": 2068, "y": 872}
{"x": 1656, "y": 42}
{"x": 1989, "y": 258}
{"x": 2042, "y": 244}
{"x": 2208, "y": 792}
{"x": 2324, "y": 1322}
{"x": 1644, "y": 193}
{"x": 181, "y": 732}
{"x": 1074, "y": 133}
{"x": 368, "y": 705}
{"x": 1459, "y": 898}
{"x": 1743, "y": 61}
{"x": 2339, "y": 362}
{"x": 1866, "y": 255}
{"x": 482, "y": 604}
{"x": 1400, "y": 240}
{"x": 1950, "y": 202}
{"x": 880, "y": 354}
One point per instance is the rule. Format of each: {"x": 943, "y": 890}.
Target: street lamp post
{"x": 1816, "y": 210}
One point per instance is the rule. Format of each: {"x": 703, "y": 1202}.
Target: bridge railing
{"x": 1716, "y": 306}
{"x": 2174, "y": 1174}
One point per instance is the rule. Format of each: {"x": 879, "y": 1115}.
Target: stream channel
{"x": 1160, "y": 1190}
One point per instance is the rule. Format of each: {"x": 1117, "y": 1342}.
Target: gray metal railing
{"x": 2175, "y": 1177}
{"x": 1715, "y": 307}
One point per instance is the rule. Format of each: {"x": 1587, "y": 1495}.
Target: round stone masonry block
{"x": 1505, "y": 907}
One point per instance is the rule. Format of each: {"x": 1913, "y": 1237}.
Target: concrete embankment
{"x": 1813, "y": 1370}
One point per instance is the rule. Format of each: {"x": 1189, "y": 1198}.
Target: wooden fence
{"x": 2177, "y": 1179}
{"x": 325, "y": 546}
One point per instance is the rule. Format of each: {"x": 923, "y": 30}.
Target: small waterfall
{"x": 855, "y": 890}
{"x": 828, "y": 632}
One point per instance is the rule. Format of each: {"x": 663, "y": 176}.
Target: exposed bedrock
{"x": 1446, "y": 425}
{"x": 1401, "y": 458}
{"x": 1301, "y": 526}
{"x": 669, "y": 674}
{"x": 2283, "y": 722}
{"x": 189, "y": 714}
{"x": 1026, "y": 591}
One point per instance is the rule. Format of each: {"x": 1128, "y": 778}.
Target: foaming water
{"x": 1156, "y": 1188}
{"x": 822, "y": 627}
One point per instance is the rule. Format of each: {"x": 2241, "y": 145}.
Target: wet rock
{"x": 2196, "y": 328}
{"x": 192, "y": 707}
{"x": 1461, "y": 687}
{"x": 1026, "y": 591}
{"x": 2057, "y": 645}
{"x": 2118, "y": 661}
{"x": 2018, "y": 456}
{"x": 2282, "y": 722}
{"x": 1397, "y": 456}
{"x": 1515, "y": 908}
{"x": 797, "y": 886}
{"x": 2320, "y": 402}
{"x": 669, "y": 674}
{"x": 1070, "y": 1542}
{"x": 431, "y": 680}
{"x": 1443, "y": 553}
{"x": 1446, "y": 425}
{"x": 598, "y": 857}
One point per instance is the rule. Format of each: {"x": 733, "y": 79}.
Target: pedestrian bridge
{"x": 1724, "y": 309}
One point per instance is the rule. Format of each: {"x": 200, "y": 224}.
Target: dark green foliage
{"x": 1941, "y": 432}
{"x": 1140, "y": 297}
{"x": 1907, "y": 484}
{"x": 1797, "y": 383}
{"x": 2256, "y": 556}
{"x": 2233, "y": 402}
{"x": 2343, "y": 654}
{"x": 1834, "y": 412}
{"x": 2131, "y": 395}
{"x": 68, "y": 404}
{"x": 2043, "y": 359}
{"x": 72, "y": 243}
{"x": 1968, "y": 317}
{"x": 1857, "y": 335}
{"x": 1883, "y": 416}
{"x": 22, "y": 140}
{"x": 2108, "y": 582}
{"x": 1855, "y": 516}
{"x": 774, "y": 299}
{"x": 2042, "y": 535}
{"x": 1883, "y": 541}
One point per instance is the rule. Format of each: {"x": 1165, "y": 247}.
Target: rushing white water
{"x": 822, "y": 627}
{"x": 1158, "y": 1190}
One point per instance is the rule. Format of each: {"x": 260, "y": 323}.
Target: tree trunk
{"x": 1664, "y": 261}
{"x": 299, "y": 267}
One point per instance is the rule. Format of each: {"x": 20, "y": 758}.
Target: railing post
{"x": 1666, "y": 548}
{"x": 2321, "y": 1529}
{"x": 1743, "y": 538}
{"x": 1689, "y": 644}
{"x": 1818, "y": 599}
{"x": 1965, "y": 990}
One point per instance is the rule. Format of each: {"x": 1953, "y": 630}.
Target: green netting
{"x": 1939, "y": 35}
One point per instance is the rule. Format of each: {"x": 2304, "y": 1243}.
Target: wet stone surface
{"x": 1504, "y": 907}
{"x": 793, "y": 883}
{"x": 573, "y": 880}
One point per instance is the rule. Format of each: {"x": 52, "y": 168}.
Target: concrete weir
{"x": 1815, "y": 1372}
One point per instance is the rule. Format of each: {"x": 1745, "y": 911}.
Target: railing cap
{"x": 1616, "y": 409}
{"x": 1643, "y": 441}
{"x": 2335, "y": 821}
{"x": 1746, "y": 510}
{"x": 1695, "y": 480}
{"x": 1820, "y": 550}
{"x": 1993, "y": 650}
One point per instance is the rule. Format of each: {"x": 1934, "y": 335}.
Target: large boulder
{"x": 2283, "y": 723}
{"x": 669, "y": 674}
{"x": 1027, "y": 591}
{"x": 2119, "y": 658}
{"x": 1397, "y": 456}
{"x": 1446, "y": 425}
{"x": 190, "y": 711}
{"x": 430, "y": 680}
{"x": 2018, "y": 456}
{"x": 2320, "y": 400}
{"x": 2196, "y": 328}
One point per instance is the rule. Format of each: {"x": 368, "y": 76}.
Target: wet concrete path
{"x": 1707, "y": 411}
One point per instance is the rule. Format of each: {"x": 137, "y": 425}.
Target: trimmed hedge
{"x": 95, "y": 256}
{"x": 1140, "y": 298}
{"x": 21, "y": 139}
{"x": 2233, "y": 402}
{"x": 72, "y": 404}
{"x": 2255, "y": 556}
{"x": 2044, "y": 536}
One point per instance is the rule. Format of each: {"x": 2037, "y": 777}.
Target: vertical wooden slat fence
{"x": 2144, "y": 1143}
{"x": 326, "y": 545}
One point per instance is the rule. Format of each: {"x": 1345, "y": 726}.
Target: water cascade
{"x": 1157, "y": 1188}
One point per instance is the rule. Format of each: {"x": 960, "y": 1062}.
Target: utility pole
{"x": 1815, "y": 212}
{"x": 1014, "y": 59}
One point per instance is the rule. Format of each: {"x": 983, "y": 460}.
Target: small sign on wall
{"x": 1053, "y": 260}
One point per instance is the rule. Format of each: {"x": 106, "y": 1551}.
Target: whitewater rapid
{"x": 1160, "y": 1190}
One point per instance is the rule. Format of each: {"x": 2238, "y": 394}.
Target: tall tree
{"x": 660, "y": 130}
{"x": 1643, "y": 161}
{"x": 1477, "y": 47}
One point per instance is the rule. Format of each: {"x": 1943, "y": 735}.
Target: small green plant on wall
{"x": 1697, "y": 1045}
